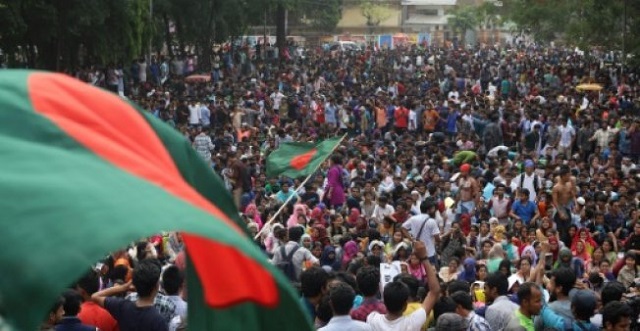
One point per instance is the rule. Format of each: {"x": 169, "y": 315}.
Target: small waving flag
{"x": 298, "y": 159}
{"x": 85, "y": 173}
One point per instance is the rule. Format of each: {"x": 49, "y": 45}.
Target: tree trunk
{"x": 281, "y": 37}
{"x": 167, "y": 34}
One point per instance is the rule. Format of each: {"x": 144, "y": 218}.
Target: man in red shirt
{"x": 401, "y": 117}
{"x": 90, "y": 312}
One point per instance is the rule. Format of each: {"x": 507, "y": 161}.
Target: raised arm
{"x": 100, "y": 297}
{"x": 432, "y": 280}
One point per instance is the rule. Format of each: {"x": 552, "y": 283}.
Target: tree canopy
{"x": 64, "y": 34}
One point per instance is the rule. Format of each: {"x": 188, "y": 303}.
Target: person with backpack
{"x": 290, "y": 257}
{"x": 529, "y": 180}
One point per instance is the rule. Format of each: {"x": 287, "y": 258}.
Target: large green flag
{"x": 298, "y": 159}
{"x": 85, "y": 173}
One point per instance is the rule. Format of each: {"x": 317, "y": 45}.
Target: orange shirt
{"x": 94, "y": 315}
{"x": 381, "y": 117}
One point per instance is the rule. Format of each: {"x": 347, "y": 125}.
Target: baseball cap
{"x": 584, "y": 300}
{"x": 529, "y": 163}
{"x": 451, "y": 322}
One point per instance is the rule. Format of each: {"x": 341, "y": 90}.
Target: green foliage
{"x": 63, "y": 34}
{"x": 463, "y": 18}
{"x": 322, "y": 15}
{"x": 582, "y": 23}
{"x": 373, "y": 12}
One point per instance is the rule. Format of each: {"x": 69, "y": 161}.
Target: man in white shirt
{"x": 341, "y": 297}
{"x": 499, "y": 313}
{"x": 567, "y": 138}
{"x": 424, "y": 228}
{"x": 194, "y": 114}
{"x": 382, "y": 210}
{"x": 529, "y": 180}
{"x": 299, "y": 256}
{"x": 396, "y": 298}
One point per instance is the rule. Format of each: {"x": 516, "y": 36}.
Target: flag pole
{"x": 304, "y": 182}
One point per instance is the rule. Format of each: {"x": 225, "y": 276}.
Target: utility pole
{"x": 150, "y": 25}
{"x": 264, "y": 41}
{"x": 624, "y": 38}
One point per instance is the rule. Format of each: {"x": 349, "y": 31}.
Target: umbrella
{"x": 589, "y": 87}
{"x": 198, "y": 79}
{"x": 105, "y": 185}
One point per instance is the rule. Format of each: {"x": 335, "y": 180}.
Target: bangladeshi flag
{"x": 299, "y": 159}
{"x": 84, "y": 173}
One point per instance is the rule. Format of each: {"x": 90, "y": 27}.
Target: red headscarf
{"x": 353, "y": 216}
{"x": 589, "y": 243}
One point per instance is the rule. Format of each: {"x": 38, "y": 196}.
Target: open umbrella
{"x": 589, "y": 87}
{"x": 198, "y": 79}
{"x": 77, "y": 184}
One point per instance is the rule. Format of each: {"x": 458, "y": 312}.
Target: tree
{"x": 462, "y": 19}
{"x": 374, "y": 13}
{"x": 582, "y": 23}
{"x": 321, "y": 15}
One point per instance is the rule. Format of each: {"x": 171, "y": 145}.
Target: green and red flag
{"x": 299, "y": 159}
{"x": 85, "y": 173}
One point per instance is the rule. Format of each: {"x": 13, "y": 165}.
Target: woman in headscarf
{"x": 416, "y": 268}
{"x": 299, "y": 209}
{"x": 496, "y": 255}
{"x": 566, "y": 260}
{"x": 328, "y": 258}
{"x": 319, "y": 234}
{"x": 353, "y": 217}
{"x": 337, "y": 226}
{"x": 468, "y": 273}
{"x": 541, "y": 233}
{"x": 400, "y": 253}
{"x": 252, "y": 212}
{"x": 350, "y": 251}
{"x": 376, "y": 248}
{"x": 334, "y": 191}
{"x": 584, "y": 236}
{"x": 580, "y": 252}
{"x": 306, "y": 242}
{"x": 530, "y": 252}
{"x": 453, "y": 244}
{"x": 554, "y": 248}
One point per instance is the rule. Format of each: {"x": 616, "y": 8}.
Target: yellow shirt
{"x": 413, "y": 306}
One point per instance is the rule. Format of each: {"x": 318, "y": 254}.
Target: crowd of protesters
{"x": 504, "y": 197}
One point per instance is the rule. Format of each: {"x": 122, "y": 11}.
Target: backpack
{"x": 535, "y": 182}
{"x": 286, "y": 264}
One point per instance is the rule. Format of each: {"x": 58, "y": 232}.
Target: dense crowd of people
{"x": 476, "y": 189}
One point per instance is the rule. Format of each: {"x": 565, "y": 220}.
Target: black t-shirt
{"x": 133, "y": 318}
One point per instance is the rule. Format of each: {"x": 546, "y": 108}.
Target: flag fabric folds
{"x": 298, "y": 159}
{"x": 86, "y": 173}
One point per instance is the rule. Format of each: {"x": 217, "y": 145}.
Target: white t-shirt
{"x": 379, "y": 213}
{"x": 413, "y": 120}
{"x": 194, "y": 114}
{"x": 413, "y": 321}
{"x": 528, "y": 184}
{"x": 414, "y": 223}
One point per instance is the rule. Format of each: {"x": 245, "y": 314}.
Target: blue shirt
{"x": 525, "y": 211}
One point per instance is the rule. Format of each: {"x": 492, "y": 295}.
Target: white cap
{"x": 581, "y": 201}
